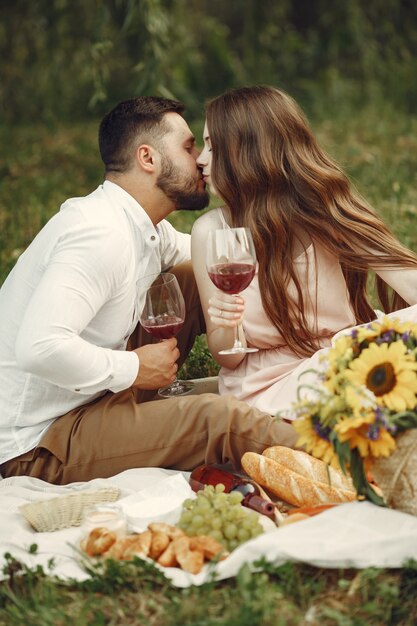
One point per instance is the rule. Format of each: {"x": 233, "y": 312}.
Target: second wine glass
{"x": 231, "y": 265}
{"x": 162, "y": 317}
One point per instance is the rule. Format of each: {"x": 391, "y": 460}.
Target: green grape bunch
{"x": 220, "y": 515}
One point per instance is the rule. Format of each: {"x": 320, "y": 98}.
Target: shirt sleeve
{"x": 79, "y": 277}
{"x": 403, "y": 281}
{"x": 175, "y": 246}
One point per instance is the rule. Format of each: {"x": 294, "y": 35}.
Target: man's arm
{"x": 78, "y": 280}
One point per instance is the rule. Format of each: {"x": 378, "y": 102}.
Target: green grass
{"x": 39, "y": 168}
{"x": 137, "y": 593}
{"x": 378, "y": 151}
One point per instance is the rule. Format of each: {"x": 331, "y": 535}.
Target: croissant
{"x": 159, "y": 543}
{"x": 139, "y": 547}
{"x": 190, "y": 560}
{"x": 168, "y": 545}
{"x": 99, "y": 541}
{"x": 168, "y": 557}
{"x": 209, "y": 546}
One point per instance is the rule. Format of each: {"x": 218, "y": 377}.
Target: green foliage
{"x": 66, "y": 59}
{"x": 199, "y": 363}
{"x": 129, "y": 593}
{"x": 40, "y": 166}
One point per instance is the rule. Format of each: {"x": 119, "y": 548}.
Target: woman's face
{"x": 204, "y": 160}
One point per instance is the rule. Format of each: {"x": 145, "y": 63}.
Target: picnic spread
{"x": 349, "y": 500}
{"x": 354, "y": 534}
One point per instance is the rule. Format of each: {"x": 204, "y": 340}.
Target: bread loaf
{"x": 285, "y": 480}
{"x": 309, "y": 467}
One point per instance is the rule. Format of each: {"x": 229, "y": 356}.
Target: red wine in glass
{"x": 163, "y": 327}
{"x": 232, "y": 277}
{"x": 231, "y": 264}
{"x": 162, "y": 317}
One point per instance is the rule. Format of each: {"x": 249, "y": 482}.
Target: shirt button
{"x": 76, "y": 390}
{"x": 153, "y": 237}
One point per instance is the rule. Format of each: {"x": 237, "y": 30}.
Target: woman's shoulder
{"x": 207, "y": 221}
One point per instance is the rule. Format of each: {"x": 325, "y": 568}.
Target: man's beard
{"x": 181, "y": 189}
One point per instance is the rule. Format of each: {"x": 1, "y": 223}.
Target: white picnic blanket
{"x": 358, "y": 534}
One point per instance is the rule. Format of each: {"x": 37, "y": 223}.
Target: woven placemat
{"x": 396, "y": 475}
{"x": 65, "y": 511}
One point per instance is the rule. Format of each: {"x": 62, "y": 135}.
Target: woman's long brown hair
{"x": 275, "y": 179}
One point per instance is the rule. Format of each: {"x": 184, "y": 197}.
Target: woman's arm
{"x": 222, "y": 312}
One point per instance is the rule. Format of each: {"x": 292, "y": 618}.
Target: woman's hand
{"x": 226, "y": 311}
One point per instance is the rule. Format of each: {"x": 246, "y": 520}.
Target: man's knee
{"x": 230, "y": 408}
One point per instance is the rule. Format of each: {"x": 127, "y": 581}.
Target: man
{"x": 72, "y": 389}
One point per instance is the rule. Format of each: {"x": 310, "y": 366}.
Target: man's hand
{"x": 158, "y": 365}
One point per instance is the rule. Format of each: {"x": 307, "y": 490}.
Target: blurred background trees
{"x": 73, "y": 59}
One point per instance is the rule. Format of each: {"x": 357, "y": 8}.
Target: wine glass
{"x": 162, "y": 317}
{"x": 231, "y": 264}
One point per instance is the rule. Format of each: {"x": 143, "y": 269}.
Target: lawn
{"x": 40, "y": 167}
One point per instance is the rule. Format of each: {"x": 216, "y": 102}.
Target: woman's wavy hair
{"x": 275, "y": 179}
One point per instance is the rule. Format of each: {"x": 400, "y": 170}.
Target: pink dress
{"x": 268, "y": 379}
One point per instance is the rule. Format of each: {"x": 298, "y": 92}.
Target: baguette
{"x": 309, "y": 467}
{"x": 290, "y": 485}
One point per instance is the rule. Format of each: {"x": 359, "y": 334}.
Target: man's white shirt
{"x": 69, "y": 306}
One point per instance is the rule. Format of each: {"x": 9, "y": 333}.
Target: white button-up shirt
{"x": 68, "y": 307}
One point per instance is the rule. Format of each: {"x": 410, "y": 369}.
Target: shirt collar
{"x": 134, "y": 210}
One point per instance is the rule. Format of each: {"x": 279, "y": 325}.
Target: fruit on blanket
{"x": 252, "y": 495}
{"x": 220, "y": 516}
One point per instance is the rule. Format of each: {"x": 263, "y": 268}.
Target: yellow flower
{"x": 318, "y": 446}
{"x": 358, "y": 399}
{"x": 389, "y": 372}
{"x": 350, "y": 424}
{"x": 380, "y": 444}
{"x": 340, "y": 354}
{"x": 384, "y": 445}
{"x": 340, "y": 347}
{"x": 384, "y": 325}
{"x": 369, "y": 381}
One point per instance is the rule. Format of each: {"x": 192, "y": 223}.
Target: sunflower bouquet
{"x": 361, "y": 415}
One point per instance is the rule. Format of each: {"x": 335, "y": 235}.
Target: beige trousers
{"x": 127, "y": 429}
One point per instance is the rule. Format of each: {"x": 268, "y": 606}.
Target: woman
{"x": 316, "y": 241}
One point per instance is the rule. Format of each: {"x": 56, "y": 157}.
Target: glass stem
{"x": 237, "y": 343}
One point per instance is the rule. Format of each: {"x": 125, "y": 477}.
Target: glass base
{"x": 238, "y": 350}
{"x": 178, "y": 388}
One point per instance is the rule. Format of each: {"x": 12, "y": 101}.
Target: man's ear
{"x": 146, "y": 158}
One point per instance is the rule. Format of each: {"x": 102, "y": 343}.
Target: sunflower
{"x": 314, "y": 437}
{"x": 340, "y": 353}
{"x": 358, "y": 399}
{"x": 389, "y": 372}
{"x": 384, "y": 326}
{"x": 368, "y": 438}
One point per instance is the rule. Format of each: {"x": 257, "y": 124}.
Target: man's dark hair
{"x": 135, "y": 121}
